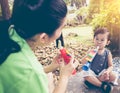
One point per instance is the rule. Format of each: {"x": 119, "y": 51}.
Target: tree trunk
{"x": 115, "y": 43}
{"x": 5, "y": 9}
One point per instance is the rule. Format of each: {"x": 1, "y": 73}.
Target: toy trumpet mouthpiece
{"x": 98, "y": 47}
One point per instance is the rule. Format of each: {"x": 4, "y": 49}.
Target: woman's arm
{"x": 62, "y": 85}
{"x": 65, "y": 72}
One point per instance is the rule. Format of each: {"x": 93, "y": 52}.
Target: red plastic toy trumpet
{"x": 66, "y": 56}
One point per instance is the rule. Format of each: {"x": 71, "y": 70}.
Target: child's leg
{"x": 91, "y": 77}
{"x": 101, "y": 78}
{"x": 93, "y": 80}
{"x": 113, "y": 78}
{"x": 106, "y": 87}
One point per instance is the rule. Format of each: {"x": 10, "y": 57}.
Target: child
{"x": 100, "y": 73}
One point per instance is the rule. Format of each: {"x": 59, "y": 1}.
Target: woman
{"x": 35, "y": 22}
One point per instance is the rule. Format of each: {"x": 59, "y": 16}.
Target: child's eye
{"x": 96, "y": 38}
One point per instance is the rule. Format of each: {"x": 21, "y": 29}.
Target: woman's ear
{"x": 43, "y": 38}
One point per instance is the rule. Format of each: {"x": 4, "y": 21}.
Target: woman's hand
{"x": 56, "y": 62}
{"x": 65, "y": 72}
{"x": 66, "y": 69}
{"x": 54, "y": 65}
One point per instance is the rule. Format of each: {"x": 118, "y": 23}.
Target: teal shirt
{"x": 21, "y": 72}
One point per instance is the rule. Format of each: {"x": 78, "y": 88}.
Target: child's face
{"x": 101, "y": 40}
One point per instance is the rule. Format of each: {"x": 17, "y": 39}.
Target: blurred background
{"x": 84, "y": 16}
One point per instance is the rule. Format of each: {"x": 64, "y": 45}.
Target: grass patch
{"x": 84, "y": 35}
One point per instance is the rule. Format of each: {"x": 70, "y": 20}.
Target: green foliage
{"x": 109, "y": 16}
{"x": 67, "y": 1}
{"x": 82, "y": 11}
{"x": 94, "y": 8}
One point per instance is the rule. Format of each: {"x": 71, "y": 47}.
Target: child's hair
{"x": 31, "y": 17}
{"x": 102, "y": 30}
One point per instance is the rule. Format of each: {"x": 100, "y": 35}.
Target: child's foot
{"x": 114, "y": 83}
{"x": 106, "y": 87}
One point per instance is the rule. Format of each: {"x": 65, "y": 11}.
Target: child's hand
{"x": 106, "y": 75}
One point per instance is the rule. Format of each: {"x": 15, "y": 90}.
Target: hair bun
{"x": 33, "y": 4}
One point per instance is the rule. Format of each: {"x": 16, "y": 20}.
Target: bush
{"x": 109, "y": 17}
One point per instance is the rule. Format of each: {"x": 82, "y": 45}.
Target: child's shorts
{"x": 91, "y": 73}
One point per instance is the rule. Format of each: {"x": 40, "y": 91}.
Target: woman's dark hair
{"x": 31, "y": 17}
{"x": 102, "y": 30}
{"x": 7, "y": 45}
